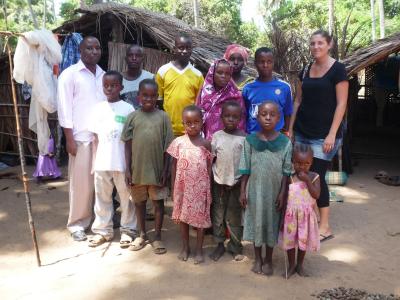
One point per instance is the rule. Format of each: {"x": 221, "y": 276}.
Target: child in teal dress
{"x": 265, "y": 166}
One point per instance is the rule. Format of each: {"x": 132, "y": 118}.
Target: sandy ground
{"x": 364, "y": 253}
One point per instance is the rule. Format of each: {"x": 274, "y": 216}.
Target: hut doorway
{"x": 375, "y": 113}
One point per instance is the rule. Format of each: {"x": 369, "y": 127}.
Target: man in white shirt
{"x": 79, "y": 89}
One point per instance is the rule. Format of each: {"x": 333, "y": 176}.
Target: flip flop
{"x": 325, "y": 237}
{"x": 125, "y": 240}
{"x": 390, "y": 180}
{"x": 159, "y": 248}
{"x": 381, "y": 174}
{"x": 137, "y": 244}
{"x": 96, "y": 240}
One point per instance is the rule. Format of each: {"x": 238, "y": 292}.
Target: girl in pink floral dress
{"x": 190, "y": 180}
{"x": 300, "y": 227}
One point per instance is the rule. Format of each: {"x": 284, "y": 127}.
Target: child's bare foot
{"x": 184, "y": 254}
{"x": 257, "y": 267}
{"x": 301, "y": 272}
{"x": 218, "y": 252}
{"x": 199, "y": 258}
{"x": 267, "y": 268}
{"x": 291, "y": 271}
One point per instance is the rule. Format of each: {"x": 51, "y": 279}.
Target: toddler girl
{"x": 266, "y": 166}
{"x": 190, "y": 180}
{"x": 300, "y": 227}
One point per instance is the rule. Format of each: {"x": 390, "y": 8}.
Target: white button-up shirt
{"x": 78, "y": 92}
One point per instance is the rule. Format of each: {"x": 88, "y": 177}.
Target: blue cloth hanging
{"x": 70, "y": 50}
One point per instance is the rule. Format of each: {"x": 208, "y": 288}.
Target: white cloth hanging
{"x": 36, "y": 53}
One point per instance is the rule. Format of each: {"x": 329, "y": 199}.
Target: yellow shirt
{"x": 178, "y": 89}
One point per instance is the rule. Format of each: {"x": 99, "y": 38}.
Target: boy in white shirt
{"x": 108, "y": 120}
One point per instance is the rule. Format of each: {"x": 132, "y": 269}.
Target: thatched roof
{"x": 140, "y": 24}
{"x": 370, "y": 55}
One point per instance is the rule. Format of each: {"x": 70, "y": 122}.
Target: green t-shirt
{"x": 151, "y": 134}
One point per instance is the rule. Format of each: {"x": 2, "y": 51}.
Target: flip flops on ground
{"x": 97, "y": 240}
{"x": 390, "y": 180}
{"x": 125, "y": 240}
{"x": 325, "y": 237}
{"x": 385, "y": 178}
{"x": 137, "y": 244}
{"x": 381, "y": 174}
{"x": 158, "y": 247}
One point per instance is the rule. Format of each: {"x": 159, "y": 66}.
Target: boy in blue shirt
{"x": 267, "y": 87}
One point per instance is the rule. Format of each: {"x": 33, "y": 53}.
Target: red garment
{"x": 236, "y": 48}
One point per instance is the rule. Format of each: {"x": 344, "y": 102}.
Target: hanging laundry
{"x": 70, "y": 50}
{"x": 36, "y": 53}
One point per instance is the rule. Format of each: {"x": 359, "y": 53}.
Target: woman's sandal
{"x": 137, "y": 244}
{"x": 125, "y": 240}
{"x": 97, "y": 240}
{"x": 159, "y": 248}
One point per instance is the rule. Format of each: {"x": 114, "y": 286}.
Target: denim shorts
{"x": 317, "y": 146}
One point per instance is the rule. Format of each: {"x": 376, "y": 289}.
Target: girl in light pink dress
{"x": 300, "y": 226}
{"x": 190, "y": 180}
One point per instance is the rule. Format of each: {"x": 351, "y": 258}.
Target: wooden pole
{"x": 22, "y": 159}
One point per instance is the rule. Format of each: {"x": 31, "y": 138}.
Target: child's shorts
{"x": 141, "y": 193}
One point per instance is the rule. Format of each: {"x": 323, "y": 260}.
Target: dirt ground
{"x": 364, "y": 253}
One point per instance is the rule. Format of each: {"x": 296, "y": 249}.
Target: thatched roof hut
{"x": 370, "y": 55}
{"x": 126, "y": 24}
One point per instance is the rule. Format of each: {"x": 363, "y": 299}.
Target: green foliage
{"x": 352, "y": 20}
{"x": 67, "y": 9}
{"x": 19, "y": 18}
{"x": 220, "y": 17}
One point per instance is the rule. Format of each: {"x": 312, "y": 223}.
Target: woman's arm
{"x": 296, "y": 105}
{"x": 342, "y": 90}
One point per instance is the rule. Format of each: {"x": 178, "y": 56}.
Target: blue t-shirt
{"x": 257, "y": 92}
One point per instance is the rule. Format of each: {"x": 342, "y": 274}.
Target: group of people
{"x": 238, "y": 154}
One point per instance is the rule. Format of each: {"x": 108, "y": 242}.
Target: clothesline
{"x": 10, "y": 33}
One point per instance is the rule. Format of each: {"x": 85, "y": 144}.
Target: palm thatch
{"x": 372, "y": 54}
{"x": 150, "y": 29}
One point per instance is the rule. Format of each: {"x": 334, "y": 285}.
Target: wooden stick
{"x": 23, "y": 137}
{"x": 12, "y": 153}
{"x": 22, "y": 159}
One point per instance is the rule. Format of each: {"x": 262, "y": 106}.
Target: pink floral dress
{"x": 300, "y": 228}
{"x": 192, "y": 195}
